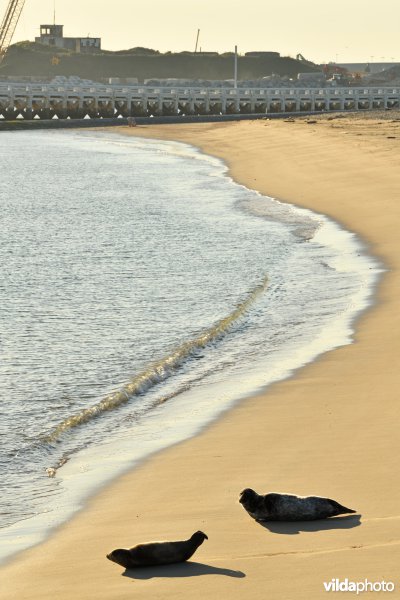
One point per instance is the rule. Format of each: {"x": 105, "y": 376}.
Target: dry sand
{"x": 331, "y": 430}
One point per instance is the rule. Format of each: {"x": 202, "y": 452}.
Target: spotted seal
{"x": 157, "y": 553}
{"x": 288, "y": 507}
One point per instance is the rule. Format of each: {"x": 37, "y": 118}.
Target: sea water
{"x": 142, "y": 293}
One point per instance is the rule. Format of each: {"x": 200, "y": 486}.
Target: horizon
{"x": 346, "y": 38}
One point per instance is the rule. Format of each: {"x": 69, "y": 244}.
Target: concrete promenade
{"x": 94, "y": 101}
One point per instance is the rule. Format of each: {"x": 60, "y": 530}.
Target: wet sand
{"x": 331, "y": 430}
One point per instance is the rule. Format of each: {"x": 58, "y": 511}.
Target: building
{"x": 371, "y": 68}
{"x": 52, "y": 35}
{"x": 262, "y": 54}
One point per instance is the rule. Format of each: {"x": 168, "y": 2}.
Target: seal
{"x": 288, "y": 507}
{"x": 157, "y": 553}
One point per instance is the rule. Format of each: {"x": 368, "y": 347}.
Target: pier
{"x": 48, "y": 101}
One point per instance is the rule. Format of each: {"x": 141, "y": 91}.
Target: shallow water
{"x": 142, "y": 293}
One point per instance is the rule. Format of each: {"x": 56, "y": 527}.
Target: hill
{"x": 37, "y": 60}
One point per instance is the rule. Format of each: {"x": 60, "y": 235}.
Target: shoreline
{"x": 78, "y": 488}
{"x": 233, "y": 425}
{"x": 34, "y": 125}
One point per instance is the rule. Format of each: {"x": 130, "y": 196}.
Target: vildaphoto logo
{"x": 358, "y": 587}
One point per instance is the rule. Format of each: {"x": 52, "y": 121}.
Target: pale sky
{"x": 343, "y": 30}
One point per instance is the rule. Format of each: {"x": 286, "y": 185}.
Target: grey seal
{"x": 288, "y": 507}
{"x": 157, "y": 553}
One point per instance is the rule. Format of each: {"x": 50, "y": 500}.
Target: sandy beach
{"x": 331, "y": 430}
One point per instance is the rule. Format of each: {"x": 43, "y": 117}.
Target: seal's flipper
{"x": 340, "y": 509}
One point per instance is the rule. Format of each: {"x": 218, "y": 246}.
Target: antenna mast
{"x": 8, "y": 25}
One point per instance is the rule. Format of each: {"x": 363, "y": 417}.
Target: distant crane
{"x": 8, "y": 25}
{"x": 197, "y": 41}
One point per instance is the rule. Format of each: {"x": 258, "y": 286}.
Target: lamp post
{"x": 235, "y": 69}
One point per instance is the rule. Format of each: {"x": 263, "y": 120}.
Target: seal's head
{"x": 121, "y": 556}
{"x": 248, "y": 498}
{"x": 199, "y": 537}
{"x": 247, "y": 495}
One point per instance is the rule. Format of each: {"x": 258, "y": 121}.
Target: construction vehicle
{"x": 333, "y": 69}
{"x": 8, "y": 25}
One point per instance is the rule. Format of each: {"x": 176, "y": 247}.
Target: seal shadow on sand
{"x": 295, "y": 527}
{"x": 185, "y": 569}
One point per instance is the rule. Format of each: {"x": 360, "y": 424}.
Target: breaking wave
{"x": 160, "y": 370}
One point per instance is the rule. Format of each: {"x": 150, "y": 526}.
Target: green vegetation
{"x": 38, "y": 60}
